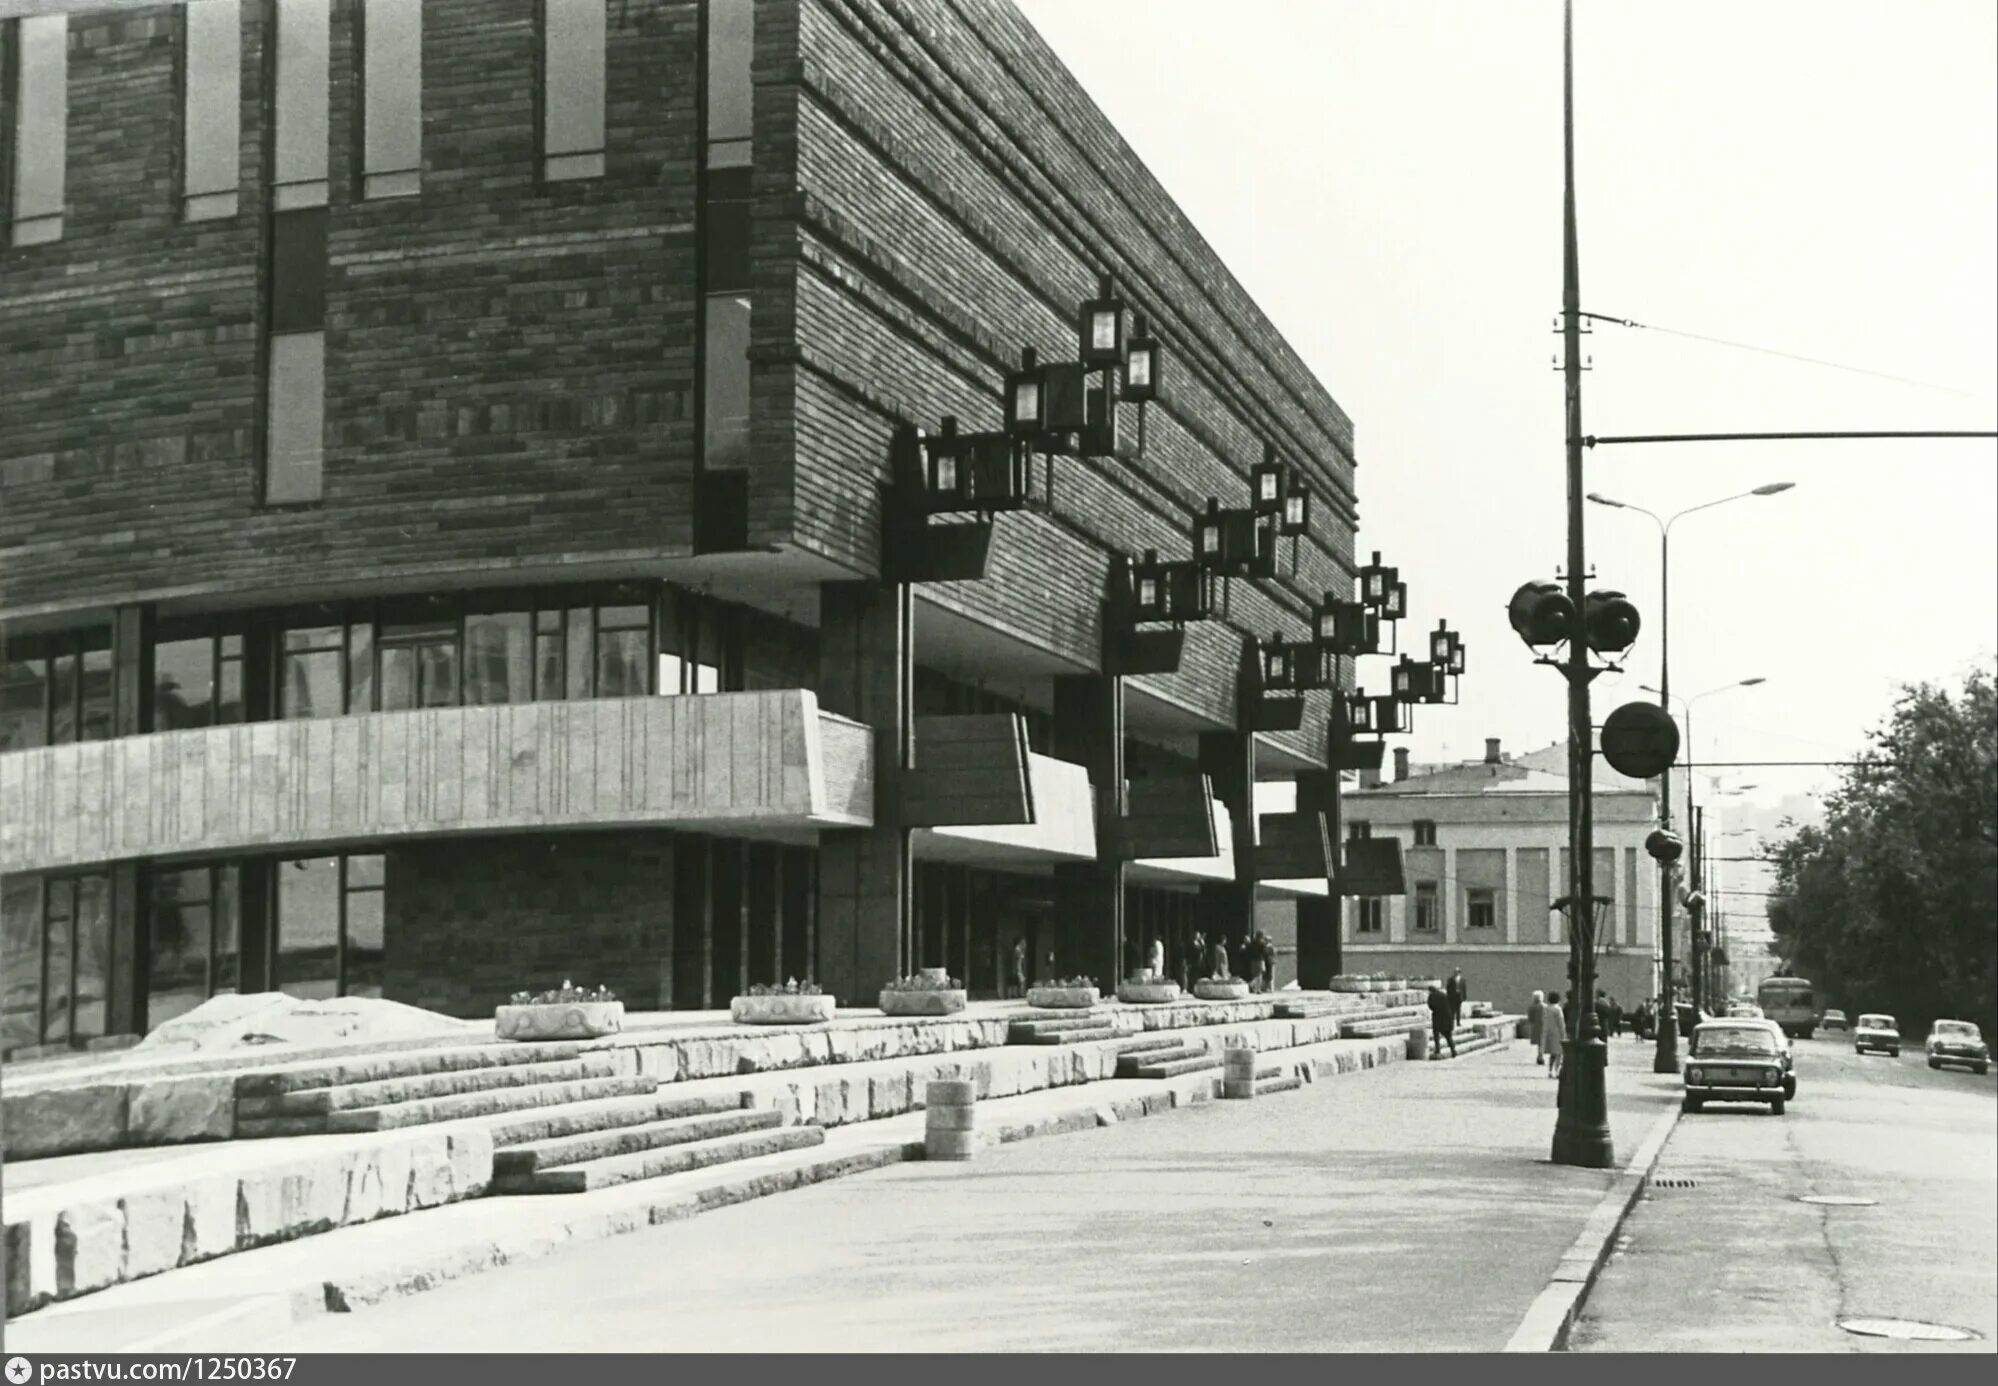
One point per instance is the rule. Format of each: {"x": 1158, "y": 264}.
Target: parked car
{"x": 1881, "y": 1033}
{"x": 1958, "y": 1042}
{"x": 1833, "y": 1020}
{"x": 1735, "y": 1061}
{"x": 1783, "y": 1044}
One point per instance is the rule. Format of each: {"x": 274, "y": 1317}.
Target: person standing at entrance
{"x": 1535, "y": 1010}
{"x": 1020, "y": 964}
{"x": 1456, "y": 994}
{"x": 1440, "y": 1027}
{"x": 1553, "y": 1033}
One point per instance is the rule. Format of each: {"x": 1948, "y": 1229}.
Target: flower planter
{"x": 781, "y": 1010}
{"x": 1063, "y": 998}
{"x": 559, "y": 1020}
{"x": 1147, "y": 993}
{"x": 1209, "y": 989}
{"x": 939, "y": 1002}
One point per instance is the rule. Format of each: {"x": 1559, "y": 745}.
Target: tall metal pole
{"x": 1581, "y": 1133}
{"x": 1695, "y": 918}
{"x": 1666, "y": 1059}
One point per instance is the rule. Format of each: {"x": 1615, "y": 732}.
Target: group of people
{"x": 1551, "y": 1031}
{"x": 1203, "y": 958}
{"x": 1446, "y": 1006}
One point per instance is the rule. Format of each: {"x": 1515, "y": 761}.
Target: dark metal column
{"x": 1089, "y": 896}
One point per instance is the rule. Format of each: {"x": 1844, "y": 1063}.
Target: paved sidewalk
{"x": 1411, "y": 1206}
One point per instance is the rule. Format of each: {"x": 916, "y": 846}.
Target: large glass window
{"x": 731, "y": 43}
{"x": 624, "y": 636}
{"x": 56, "y": 690}
{"x": 499, "y": 665}
{"x": 391, "y": 98}
{"x": 211, "y": 108}
{"x": 572, "y": 89}
{"x": 330, "y": 922}
{"x": 24, "y": 704}
{"x": 725, "y": 383}
{"x": 419, "y": 663}
{"x": 315, "y": 662}
{"x": 197, "y": 678}
{"x": 299, "y": 168}
{"x": 76, "y": 958}
{"x": 194, "y": 940}
{"x": 295, "y": 441}
{"x": 41, "y": 127}
{"x": 20, "y": 961}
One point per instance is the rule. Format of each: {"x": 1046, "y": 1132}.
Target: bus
{"x": 1788, "y": 1001}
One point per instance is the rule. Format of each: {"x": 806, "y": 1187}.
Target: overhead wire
{"x": 1774, "y": 351}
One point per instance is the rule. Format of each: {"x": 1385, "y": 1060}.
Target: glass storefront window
{"x": 725, "y": 382}
{"x": 364, "y": 949}
{"x": 20, "y": 961}
{"x": 180, "y": 937}
{"x": 419, "y": 665}
{"x": 24, "y": 688}
{"x": 184, "y": 684}
{"x": 498, "y": 663}
{"x": 308, "y": 928}
{"x": 313, "y": 686}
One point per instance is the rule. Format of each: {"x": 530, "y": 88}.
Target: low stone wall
{"x": 67, "y": 1240}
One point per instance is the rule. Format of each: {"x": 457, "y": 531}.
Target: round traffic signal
{"x": 1664, "y": 846}
{"x": 1542, "y": 614}
{"x": 1611, "y": 621}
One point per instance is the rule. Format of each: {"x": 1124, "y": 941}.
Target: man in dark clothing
{"x": 1616, "y": 1018}
{"x": 1441, "y": 1027}
{"x": 1458, "y": 991}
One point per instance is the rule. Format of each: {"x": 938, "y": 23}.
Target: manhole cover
{"x": 1675, "y": 1183}
{"x": 1838, "y": 1200}
{"x": 1906, "y": 1330}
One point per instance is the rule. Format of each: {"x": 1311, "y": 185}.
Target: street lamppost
{"x": 1697, "y": 876}
{"x": 1666, "y": 1059}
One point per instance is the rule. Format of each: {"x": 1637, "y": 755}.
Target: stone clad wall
{"x": 725, "y": 758}
{"x": 509, "y": 366}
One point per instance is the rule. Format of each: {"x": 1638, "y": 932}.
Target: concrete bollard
{"x": 1238, "y": 1073}
{"x": 1418, "y": 1044}
{"x": 950, "y": 1130}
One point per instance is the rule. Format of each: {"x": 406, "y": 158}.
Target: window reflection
{"x": 308, "y": 928}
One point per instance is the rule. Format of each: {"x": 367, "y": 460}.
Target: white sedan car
{"x": 1879, "y": 1032}
{"x": 1958, "y": 1042}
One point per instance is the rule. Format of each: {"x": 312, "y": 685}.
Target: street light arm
{"x": 1709, "y": 505}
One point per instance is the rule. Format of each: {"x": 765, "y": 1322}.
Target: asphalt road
{"x": 1408, "y": 1207}
{"x": 1737, "y": 1264}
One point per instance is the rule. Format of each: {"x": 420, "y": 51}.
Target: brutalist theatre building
{"x": 463, "y": 524}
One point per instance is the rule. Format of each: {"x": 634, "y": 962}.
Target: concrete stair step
{"x": 589, "y": 1146}
{"x": 1095, "y": 1032}
{"x": 488, "y": 1103}
{"x": 1282, "y": 1082}
{"x": 1151, "y": 1067}
{"x": 1152, "y": 1044}
{"x": 608, "y": 1113}
{"x": 404, "y": 1063}
{"x": 654, "y": 1164}
{"x": 418, "y": 1087}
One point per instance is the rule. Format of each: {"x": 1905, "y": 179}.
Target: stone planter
{"x": 1063, "y": 998}
{"x": 939, "y": 1002}
{"x": 936, "y": 976}
{"x": 781, "y": 1010}
{"x": 559, "y": 1020}
{"x": 1350, "y": 985}
{"x": 1147, "y": 993}
{"x": 1209, "y": 989}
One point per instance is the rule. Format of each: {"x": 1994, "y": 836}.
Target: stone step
{"x": 589, "y": 1146}
{"x": 1081, "y": 1036}
{"x": 388, "y": 1092}
{"x": 1152, "y": 1043}
{"x": 1150, "y": 1067}
{"x": 401, "y": 1063}
{"x": 608, "y": 1113}
{"x": 1049, "y": 1019}
{"x": 488, "y": 1103}
{"x": 1280, "y": 1082}
{"x": 653, "y": 1164}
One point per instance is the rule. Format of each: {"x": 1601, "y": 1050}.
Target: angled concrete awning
{"x": 1192, "y": 870}
{"x": 1063, "y": 827}
{"x": 748, "y": 764}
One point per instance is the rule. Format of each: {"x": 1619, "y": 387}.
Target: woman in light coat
{"x": 1534, "y": 1009}
{"x": 1553, "y": 1033}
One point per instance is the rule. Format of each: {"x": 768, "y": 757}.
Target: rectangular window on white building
{"x": 1370, "y": 914}
{"x": 1428, "y": 908}
{"x": 1482, "y": 911}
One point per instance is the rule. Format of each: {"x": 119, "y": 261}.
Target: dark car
{"x": 1735, "y": 1061}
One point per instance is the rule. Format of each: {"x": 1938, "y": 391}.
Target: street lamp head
{"x": 1750, "y": 683}
{"x": 1773, "y": 488}
{"x": 1601, "y": 499}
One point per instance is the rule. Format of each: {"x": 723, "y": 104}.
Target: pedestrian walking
{"x": 1553, "y": 1033}
{"x": 1195, "y": 959}
{"x": 1459, "y": 989}
{"x": 1157, "y": 959}
{"x": 1020, "y": 965}
{"x": 1440, "y": 1027}
{"x": 1616, "y": 1018}
{"x": 1535, "y": 1009}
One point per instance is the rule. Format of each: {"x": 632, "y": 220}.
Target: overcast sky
{"x": 1384, "y": 177}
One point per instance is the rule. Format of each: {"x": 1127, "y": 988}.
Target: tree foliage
{"x": 1892, "y": 905}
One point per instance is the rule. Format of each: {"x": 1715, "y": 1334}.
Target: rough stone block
{"x": 429, "y": 1172}
{"x": 950, "y": 1119}
{"x": 949, "y": 1092}
{"x": 888, "y": 1094}
{"x": 166, "y": 1112}
{"x": 471, "y": 1163}
{"x": 31, "y": 1263}
{"x": 311, "y": 1196}
{"x": 210, "y": 1227}
{"x": 155, "y": 1226}
{"x": 63, "y": 1121}
{"x": 661, "y": 1061}
{"x": 829, "y": 1101}
{"x": 89, "y": 1248}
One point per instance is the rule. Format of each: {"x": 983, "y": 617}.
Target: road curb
{"x": 1554, "y": 1310}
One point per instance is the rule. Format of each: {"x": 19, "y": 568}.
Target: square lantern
{"x": 1279, "y": 663}
{"x": 1207, "y": 550}
{"x": 1404, "y": 681}
{"x": 1026, "y": 398}
{"x": 997, "y": 472}
{"x": 1141, "y": 364}
{"x": 1440, "y": 641}
{"x": 1325, "y": 621}
{"x": 1189, "y": 592}
{"x": 1375, "y": 581}
{"x": 1149, "y": 595}
{"x": 1266, "y": 484}
{"x": 1296, "y": 508}
{"x": 1100, "y": 328}
{"x": 1359, "y": 712}
{"x": 1456, "y": 664}
{"x": 1065, "y": 397}
{"x": 1358, "y": 630}
{"x": 1389, "y": 716}
{"x": 1395, "y": 604}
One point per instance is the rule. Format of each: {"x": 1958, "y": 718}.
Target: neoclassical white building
{"x": 1485, "y": 849}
